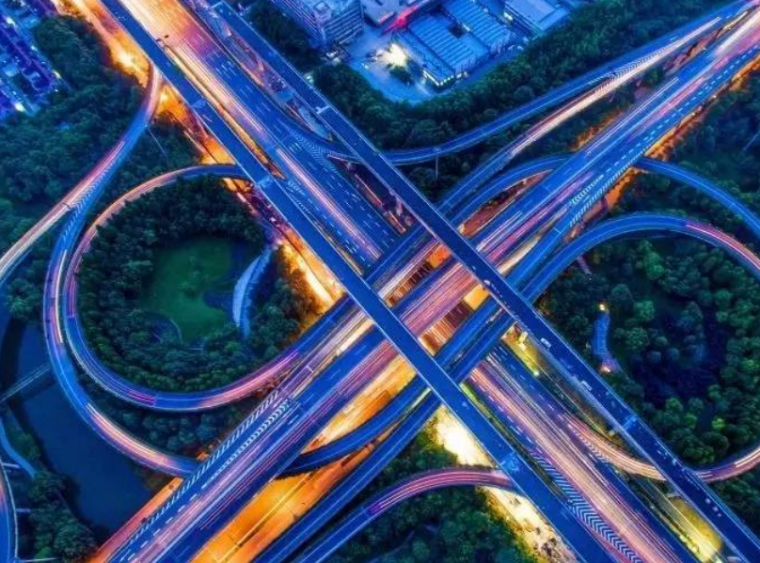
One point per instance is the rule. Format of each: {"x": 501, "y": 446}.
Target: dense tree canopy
{"x": 42, "y": 156}
{"x": 282, "y": 312}
{"x": 279, "y": 30}
{"x": 123, "y": 335}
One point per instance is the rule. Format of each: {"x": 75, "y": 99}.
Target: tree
{"x": 118, "y": 267}
{"x": 56, "y": 532}
{"x": 74, "y": 542}
{"x": 635, "y": 339}
{"x": 621, "y": 298}
{"x": 46, "y": 487}
{"x": 643, "y": 313}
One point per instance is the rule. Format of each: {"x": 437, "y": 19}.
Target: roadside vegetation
{"x": 42, "y": 156}
{"x": 593, "y": 35}
{"x": 281, "y": 314}
{"x": 24, "y": 293}
{"x": 45, "y": 155}
{"x": 279, "y": 30}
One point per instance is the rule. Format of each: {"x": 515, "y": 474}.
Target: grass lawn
{"x": 184, "y": 272}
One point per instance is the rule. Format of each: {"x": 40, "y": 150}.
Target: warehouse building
{"x": 327, "y": 22}
{"x": 475, "y": 19}
{"x": 453, "y": 41}
{"x": 536, "y": 15}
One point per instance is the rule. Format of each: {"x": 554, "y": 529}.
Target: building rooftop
{"x": 539, "y": 14}
{"x": 326, "y": 6}
{"x": 475, "y": 19}
{"x": 380, "y": 11}
{"x": 434, "y": 67}
{"x": 442, "y": 42}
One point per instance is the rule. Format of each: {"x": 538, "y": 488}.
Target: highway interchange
{"x": 592, "y": 508}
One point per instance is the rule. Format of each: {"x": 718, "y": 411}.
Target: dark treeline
{"x": 44, "y": 155}
{"x": 683, "y": 320}
{"x": 53, "y": 529}
{"x": 24, "y": 292}
{"x": 185, "y": 434}
{"x": 283, "y": 32}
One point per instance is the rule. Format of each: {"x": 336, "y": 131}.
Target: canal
{"x": 105, "y": 489}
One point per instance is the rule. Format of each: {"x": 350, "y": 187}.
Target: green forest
{"x": 53, "y": 530}
{"x": 84, "y": 120}
{"x": 290, "y": 39}
{"x": 43, "y": 155}
{"x": 280, "y": 314}
{"x": 121, "y": 263}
